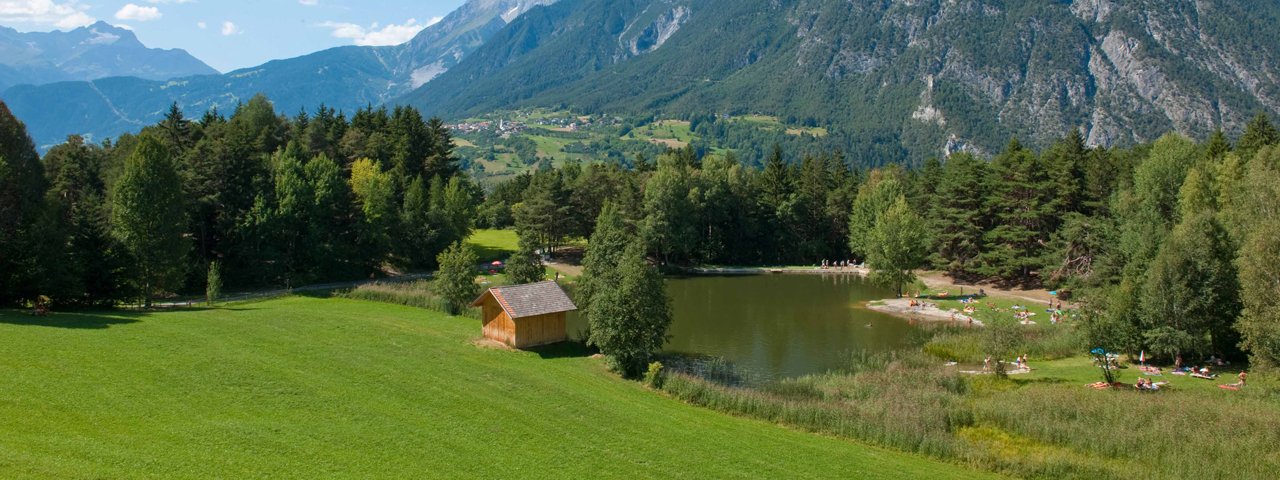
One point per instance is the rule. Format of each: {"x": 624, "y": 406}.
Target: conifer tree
{"x": 22, "y": 188}
{"x": 1019, "y": 207}
{"x": 957, "y": 219}
{"x": 1258, "y": 133}
{"x": 83, "y": 262}
{"x": 525, "y": 266}
{"x": 421, "y": 232}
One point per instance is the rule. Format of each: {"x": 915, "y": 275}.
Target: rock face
{"x": 88, "y": 53}
{"x": 920, "y": 77}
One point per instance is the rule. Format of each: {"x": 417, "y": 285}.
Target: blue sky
{"x": 231, "y": 34}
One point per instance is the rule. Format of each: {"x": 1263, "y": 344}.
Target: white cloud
{"x": 434, "y": 20}
{"x": 229, "y": 29}
{"x": 64, "y": 15}
{"x": 392, "y": 34}
{"x": 171, "y": 1}
{"x": 202, "y": 25}
{"x": 309, "y": 3}
{"x": 132, "y": 11}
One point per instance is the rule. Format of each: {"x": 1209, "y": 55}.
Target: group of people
{"x": 837, "y": 264}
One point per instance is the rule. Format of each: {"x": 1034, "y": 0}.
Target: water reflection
{"x": 778, "y": 325}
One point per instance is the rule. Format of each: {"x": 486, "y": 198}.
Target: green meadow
{"x": 301, "y": 387}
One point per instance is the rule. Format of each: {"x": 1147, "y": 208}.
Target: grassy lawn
{"x": 491, "y": 245}
{"x": 320, "y": 388}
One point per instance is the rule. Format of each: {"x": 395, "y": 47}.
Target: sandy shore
{"x": 901, "y": 307}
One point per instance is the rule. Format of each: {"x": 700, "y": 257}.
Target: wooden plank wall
{"x": 540, "y": 330}
{"x": 497, "y": 325}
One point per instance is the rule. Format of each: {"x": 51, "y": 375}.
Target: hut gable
{"x": 530, "y": 300}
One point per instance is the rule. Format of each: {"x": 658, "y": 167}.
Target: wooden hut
{"x": 524, "y": 316}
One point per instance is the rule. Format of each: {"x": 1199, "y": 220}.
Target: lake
{"x": 780, "y": 325}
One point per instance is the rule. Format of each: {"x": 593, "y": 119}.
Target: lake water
{"x": 780, "y": 325}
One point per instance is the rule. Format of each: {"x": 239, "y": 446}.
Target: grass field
{"x": 321, "y": 388}
{"x": 491, "y": 245}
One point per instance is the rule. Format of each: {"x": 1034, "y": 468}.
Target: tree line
{"x": 1171, "y": 245}
{"x": 261, "y": 198}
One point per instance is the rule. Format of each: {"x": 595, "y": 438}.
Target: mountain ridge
{"x": 91, "y": 52}
{"x": 914, "y": 79}
{"x": 345, "y": 78}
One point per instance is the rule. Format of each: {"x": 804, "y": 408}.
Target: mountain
{"x": 897, "y": 79}
{"x": 344, "y": 78}
{"x": 88, "y": 53}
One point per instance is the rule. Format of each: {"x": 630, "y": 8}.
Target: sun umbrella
{"x": 497, "y": 262}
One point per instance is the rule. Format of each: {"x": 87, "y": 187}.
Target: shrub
{"x": 654, "y": 377}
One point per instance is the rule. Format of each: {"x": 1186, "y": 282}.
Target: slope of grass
{"x": 490, "y": 244}
{"x": 322, "y": 388}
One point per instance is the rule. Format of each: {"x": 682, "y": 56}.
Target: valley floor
{"x": 303, "y": 387}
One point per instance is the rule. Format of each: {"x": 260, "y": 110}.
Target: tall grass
{"x": 417, "y": 293}
{"x": 900, "y": 405}
{"x": 1033, "y": 429}
{"x": 1043, "y": 342}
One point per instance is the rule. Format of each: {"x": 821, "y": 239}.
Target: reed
{"x": 417, "y": 293}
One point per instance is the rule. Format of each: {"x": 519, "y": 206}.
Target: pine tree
{"x": 332, "y": 243}
{"x": 84, "y": 263}
{"x": 421, "y": 232}
{"x": 456, "y": 279}
{"x": 629, "y": 314}
{"x": 957, "y": 218}
{"x": 525, "y": 266}
{"x": 22, "y": 189}
{"x": 148, "y": 218}
{"x": 1259, "y": 133}
{"x": 542, "y": 216}
{"x": 1019, "y": 207}
{"x": 897, "y": 245}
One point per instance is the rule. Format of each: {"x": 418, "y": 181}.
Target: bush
{"x": 655, "y": 377}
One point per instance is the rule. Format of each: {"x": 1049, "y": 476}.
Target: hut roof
{"x": 531, "y": 299}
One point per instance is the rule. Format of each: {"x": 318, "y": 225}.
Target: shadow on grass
{"x": 568, "y": 349}
{"x": 74, "y": 320}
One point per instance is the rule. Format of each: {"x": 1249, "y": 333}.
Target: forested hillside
{"x": 892, "y": 80}
{"x": 257, "y": 198}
